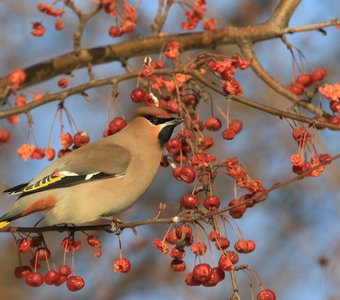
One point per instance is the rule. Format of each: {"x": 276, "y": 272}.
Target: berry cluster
{"x": 54, "y": 276}
{"x": 33, "y": 274}
{"x": 195, "y": 14}
{"x": 123, "y": 22}
{"x": 180, "y": 240}
{"x": 305, "y": 80}
{"x": 38, "y": 29}
{"x": 332, "y": 93}
{"x": 307, "y": 157}
{"x": 68, "y": 141}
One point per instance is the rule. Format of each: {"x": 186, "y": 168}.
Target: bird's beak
{"x": 174, "y": 121}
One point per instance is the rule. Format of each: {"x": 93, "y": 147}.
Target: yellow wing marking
{"x": 42, "y": 183}
{"x": 3, "y": 224}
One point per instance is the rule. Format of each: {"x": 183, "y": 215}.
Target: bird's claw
{"x": 115, "y": 225}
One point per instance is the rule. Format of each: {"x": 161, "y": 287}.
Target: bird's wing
{"x": 92, "y": 162}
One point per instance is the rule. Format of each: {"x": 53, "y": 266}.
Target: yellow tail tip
{"x": 3, "y": 224}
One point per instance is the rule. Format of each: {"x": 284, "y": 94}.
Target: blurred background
{"x": 296, "y": 230}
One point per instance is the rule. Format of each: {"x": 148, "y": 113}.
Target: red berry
{"x": 139, "y": 95}
{"x": 241, "y": 246}
{"x": 64, "y": 270}
{"x": 58, "y": 25}
{"x": 191, "y": 281}
{"x": 115, "y": 31}
{"x": 34, "y": 279}
{"x": 42, "y": 254}
{"x": 179, "y": 158}
{"x": 174, "y": 145}
{"x": 122, "y": 265}
{"x": 232, "y": 255}
{"x": 236, "y": 126}
{"x": 116, "y": 125}
{"x": 176, "y": 173}
{"x": 335, "y": 106}
{"x": 228, "y": 134}
{"x": 217, "y": 275}
{"x": 225, "y": 263}
{"x": 22, "y": 271}
{"x": 20, "y": 100}
{"x": 93, "y": 241}
{"x": 296, "y": 89}
{"x": 187, "y": 174}
{"x": 213, "y": 235}
{"x": 75, "y": 283}
{"x": 81, "y": 138}
{"x": 202, "y": 272}
{"x": 63, "y": 82}
{"x": 177, "y": 253}
{"x": 222, "y": 243}
{"x": 183, "y": 231}
{"x": 319, "y": 74}
{"x": 266, "y": 295}
{"x": 60, "y": 280}
{"x": 324, "y": 156}
{"x": 251, "y": 246}
{"x": 236, "y": 212}
{"x": 304, "y": 79}
{"x": 38, "y": 153}
{"x": 213, "y": 124}
{"x": 160, "y": 245}
{"x": 51, "y": 277}
{"x": 24, "y": 245}
{"x": 334, "y": 120}
{"x": 186, "y": 147}
{"x": 199, "y": 248}
{"x": 171, "y": 237}
{"x": 38, "y": 29}
{"x": 63, "y": 152}
{"x": 172, "y": 106}
{"x": 207, "y": 142}
{"x": 211, "y": 203}
{"x": 177, "y": 265}
{"x": 190, "y": 201}
{"x": 4, "y": 136}
{"x": 34, "y": 265}
{"x": 50, "y": 153}
{"x": 164, "y": 161}
{"x": 66, "y": 140}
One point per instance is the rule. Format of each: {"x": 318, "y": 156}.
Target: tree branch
{"x": 146, "y": 45}
{"x": 263, "y": 107}
{"x": 176, "y": 219}
{"x": 108, "y": 81}
{"x": 284, "y": 12}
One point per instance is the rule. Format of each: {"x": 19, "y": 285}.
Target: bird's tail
{"x": 6, "y": 218}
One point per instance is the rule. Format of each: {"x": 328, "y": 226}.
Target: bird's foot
{"x": 115, "y": 225}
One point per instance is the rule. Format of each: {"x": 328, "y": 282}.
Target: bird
{"x": 100, "y": 179}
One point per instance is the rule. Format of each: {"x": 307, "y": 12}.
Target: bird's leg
{"x": 115, "y": 224}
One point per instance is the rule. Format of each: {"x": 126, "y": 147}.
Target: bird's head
{"x": 158, "y": 120}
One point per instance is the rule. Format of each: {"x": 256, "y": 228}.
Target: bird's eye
{"x": 154, "y": 120}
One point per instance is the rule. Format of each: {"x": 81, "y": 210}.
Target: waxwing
{"x": 100, "y": 179}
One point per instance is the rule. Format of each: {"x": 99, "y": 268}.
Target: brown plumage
{"x": 100, "y": 179}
